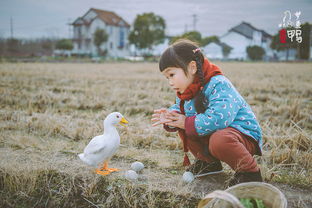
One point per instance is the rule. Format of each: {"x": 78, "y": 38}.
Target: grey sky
{"x": 49, "y": 18}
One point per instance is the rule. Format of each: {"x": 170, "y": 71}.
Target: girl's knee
{"x": 219, "y": 141}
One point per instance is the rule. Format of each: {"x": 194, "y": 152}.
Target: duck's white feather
{"x": 96, "y": 145}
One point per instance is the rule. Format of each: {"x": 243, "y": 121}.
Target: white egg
{"x": 137, "y": 166}
{"x": 188, "y": 177}
{"x": 131, "y": 175}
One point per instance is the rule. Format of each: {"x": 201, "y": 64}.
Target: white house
{"x": 215, "y": 50}
{"x": 117, "y": 29}
{"x": 160, "y": 48}
{"x": 244, "y": 35}
{"x": 156, "y": 50}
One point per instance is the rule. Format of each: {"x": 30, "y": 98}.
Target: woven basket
{"x": 271, "y": 196}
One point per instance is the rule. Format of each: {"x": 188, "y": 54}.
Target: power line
{"x": 185, "y": 28}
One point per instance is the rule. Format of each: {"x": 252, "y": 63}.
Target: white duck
{"x": 101, "y": 148}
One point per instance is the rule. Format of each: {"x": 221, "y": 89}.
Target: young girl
{"x": 213, "y": 120}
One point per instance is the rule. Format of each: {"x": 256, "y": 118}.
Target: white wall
{"x": 97, "y": 23}
{"x": 238, "y": 43}
{"x": 213, "y": 51}
{"x": 256, "y": 38}
{"x": 114, "y": 39}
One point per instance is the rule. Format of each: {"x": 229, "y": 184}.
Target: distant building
{"x": 287, "y": 55}
{"x": 160, "y": 48}
{"x": 215, "y": 50}
{"x": 117, "y": 29}
{"x": 244, "y": 35}
{"x": 156, "y": 50}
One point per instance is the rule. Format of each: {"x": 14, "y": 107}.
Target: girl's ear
{"x": 192, "y": 67}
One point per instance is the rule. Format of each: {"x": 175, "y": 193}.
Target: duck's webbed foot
{"x": 101, "y": 172}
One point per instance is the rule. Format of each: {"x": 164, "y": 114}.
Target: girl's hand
{"x": 178, "y": 120}
{"x": 160, "y": 116}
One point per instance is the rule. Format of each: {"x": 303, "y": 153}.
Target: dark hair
{"x": 179, "y": 55}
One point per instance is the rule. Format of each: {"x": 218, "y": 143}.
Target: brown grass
{"x": 50, "y": 111}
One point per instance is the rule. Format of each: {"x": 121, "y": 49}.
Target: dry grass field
{"x": 49, "y": 112}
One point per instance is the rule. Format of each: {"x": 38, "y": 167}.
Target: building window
{"x": 121, "y": 38}
{"x": 111, "y": 45}
{"x": 79, "y": 36}
{"x": 79, "y": 32}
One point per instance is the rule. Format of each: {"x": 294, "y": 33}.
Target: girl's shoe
{"x": 242, "y": 177}
{"x": 201, "y": 168}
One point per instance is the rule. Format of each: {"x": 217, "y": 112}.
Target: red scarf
{"x": 209, "y": 70}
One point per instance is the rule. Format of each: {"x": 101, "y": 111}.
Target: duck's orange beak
{"x": 123, "y": 121}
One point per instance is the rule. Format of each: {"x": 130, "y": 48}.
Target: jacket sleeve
{"x": 176, "y": 106}
{"x": 224, "y": 104}
{"x": 170, "y": 128}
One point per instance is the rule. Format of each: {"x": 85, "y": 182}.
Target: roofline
{"x": 83, "y": 15}
{"x": 243, "y": 22}
{"x": 233, "y": 30}
{"x": 86, "y": 13}
{"x": 75, "y": 20}
{"x": 127, "y": 24}
{"x": 221, "y": 44}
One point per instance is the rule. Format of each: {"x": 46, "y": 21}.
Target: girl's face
{"x": 178, "y": 81}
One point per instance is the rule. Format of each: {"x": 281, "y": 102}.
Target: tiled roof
{"x": 247, "y": 29}
{"x": 110, "y": 18}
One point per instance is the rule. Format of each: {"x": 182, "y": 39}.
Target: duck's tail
{"x": 84, "y": 159}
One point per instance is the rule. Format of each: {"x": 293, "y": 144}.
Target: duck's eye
{"x": 117, "y": 116}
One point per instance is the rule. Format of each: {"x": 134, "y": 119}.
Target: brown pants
{"x": 228, "y": 145}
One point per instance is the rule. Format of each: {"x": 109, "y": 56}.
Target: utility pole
{"x": 185, "y": 28}
{"x": 11, "y": 27}
{"x": 194, "y": 21}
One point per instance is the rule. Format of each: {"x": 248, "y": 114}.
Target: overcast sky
{"x": 49, "y": 18}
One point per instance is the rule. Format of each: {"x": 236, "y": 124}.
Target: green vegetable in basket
{"x": 252, "y": 203}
